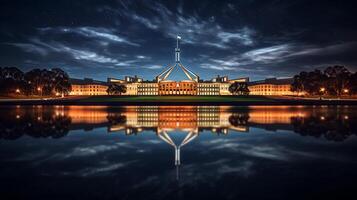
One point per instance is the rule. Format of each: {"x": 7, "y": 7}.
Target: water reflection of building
{"x": 184, "y": 118}
{"x": 58, "y": 120}
{"x": 332, "y": 123}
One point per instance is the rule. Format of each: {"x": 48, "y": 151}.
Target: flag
{"x": 179, "y": 37}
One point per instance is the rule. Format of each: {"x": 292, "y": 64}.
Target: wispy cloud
{"x": 268, "y": 54}
{"x": 147, "y": 22}
{"x": 153, "y": 66}
{"x": 88, "y": 55}
{"x": 194, "y": 29}
{"x": 217, "y": 67}
{"x": 283, "y": 52}
{"x": 30, "y": 48}
{"x": 82, "y": 54}
{"x": 244, "y": 36}
{"x": 92, "y": 32}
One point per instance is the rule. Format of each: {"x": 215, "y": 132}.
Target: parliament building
{"x": 192, "y": 85}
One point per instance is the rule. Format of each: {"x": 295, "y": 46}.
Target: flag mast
{"x": 177, "y": 50}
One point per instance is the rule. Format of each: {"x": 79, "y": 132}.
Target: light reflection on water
{"x": 178, "y": 152}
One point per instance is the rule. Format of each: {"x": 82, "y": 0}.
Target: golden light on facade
{"x": 322, "y": 89}
{"x": 345, "y": 90}
{"x": 17, "y": 90}
{"x": 38, "y": 89}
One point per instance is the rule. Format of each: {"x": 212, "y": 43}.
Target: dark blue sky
{"x": 254, "y": 38}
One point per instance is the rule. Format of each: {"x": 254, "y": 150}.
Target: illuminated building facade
{"x": 163, "y": 86}
{"x": 88, "y": 87}
{"x": 271, "y": 86}
{"x": 147, "y": 88}
{"x": 177, "y": 88}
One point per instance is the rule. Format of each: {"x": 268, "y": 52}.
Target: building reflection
{"x": 332, "y": 123}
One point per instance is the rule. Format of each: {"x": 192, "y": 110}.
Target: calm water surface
{"x": 168, "y": 152}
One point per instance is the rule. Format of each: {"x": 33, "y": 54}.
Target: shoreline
{"x": 272, "y": 102}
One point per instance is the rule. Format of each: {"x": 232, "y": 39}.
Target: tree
{"x": 316, "y": 80}
{"x": 353, "y": 83}
{"x": 35, "y": 81}
{"x": 239, "y": 88}
{"x": 61, "y": 81}
{"x": 48, "y": 82}
{"x": 11, "y": 80}
{"x": 310, "y": 82}
{"x": 116, "y": 89}
{"x": 338, "y": 78}
{"x": 299, "y": 82}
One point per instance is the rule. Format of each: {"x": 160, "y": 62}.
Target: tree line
{"x": 35, "y": 82}
{"x": 335, "y": 80}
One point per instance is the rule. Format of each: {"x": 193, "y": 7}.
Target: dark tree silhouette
{"x": 239, "y": 119}
{"x": 338, "y": 79}
{"x": 47, "y": 82}
{"x": 238, "y": 88}
{"x": 34, "y": 123}
{"x": 116, "y": 89}
{"x": 332, "y": 126}
{"x": 353, "y": 83}
{"x": 335, "y": 80}
{"x": 11, "y": 80}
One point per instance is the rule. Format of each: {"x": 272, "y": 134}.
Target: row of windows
{"x": 180, "y": 89}
{"x": 208, "y": 93}
{"x": 162, "y": 88}
{"x": 147, "y": 93}
{"x": 273, "y": 90}
{"x": 208, "y": 89}
{"x": 147, "y": 89}
{"x": 208, "y": 86}
{"x": 90, "y": 86}
{"x": 177, "y": 92}
{"x": 177, "y": 84}
{"x": 89, "y": 90}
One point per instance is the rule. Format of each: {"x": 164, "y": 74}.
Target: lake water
{"x": 182, "y": 152}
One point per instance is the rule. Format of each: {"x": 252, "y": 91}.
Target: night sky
{"x": 253, "y": 38}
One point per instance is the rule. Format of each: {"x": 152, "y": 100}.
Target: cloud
{"x": 81, "y": 55}
{"x": 268, "y": 54}
{"x": 30, "y": 48}
{"x": 89, "y": 56}
{"x": 283, "y": 52}
{"x": 145, "y": 21}
{"x": 216, "y": 67}
{"x": 91, "y": 171}
{"x": 153, "y": 66}
{"x": 243, "y": 35}
{"x": 142, "y": 57}
{"x": 192, "y": 28}
{"x": 91, "y": 32}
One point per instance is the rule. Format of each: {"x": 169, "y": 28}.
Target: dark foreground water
{"x": 204, "y": 152}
